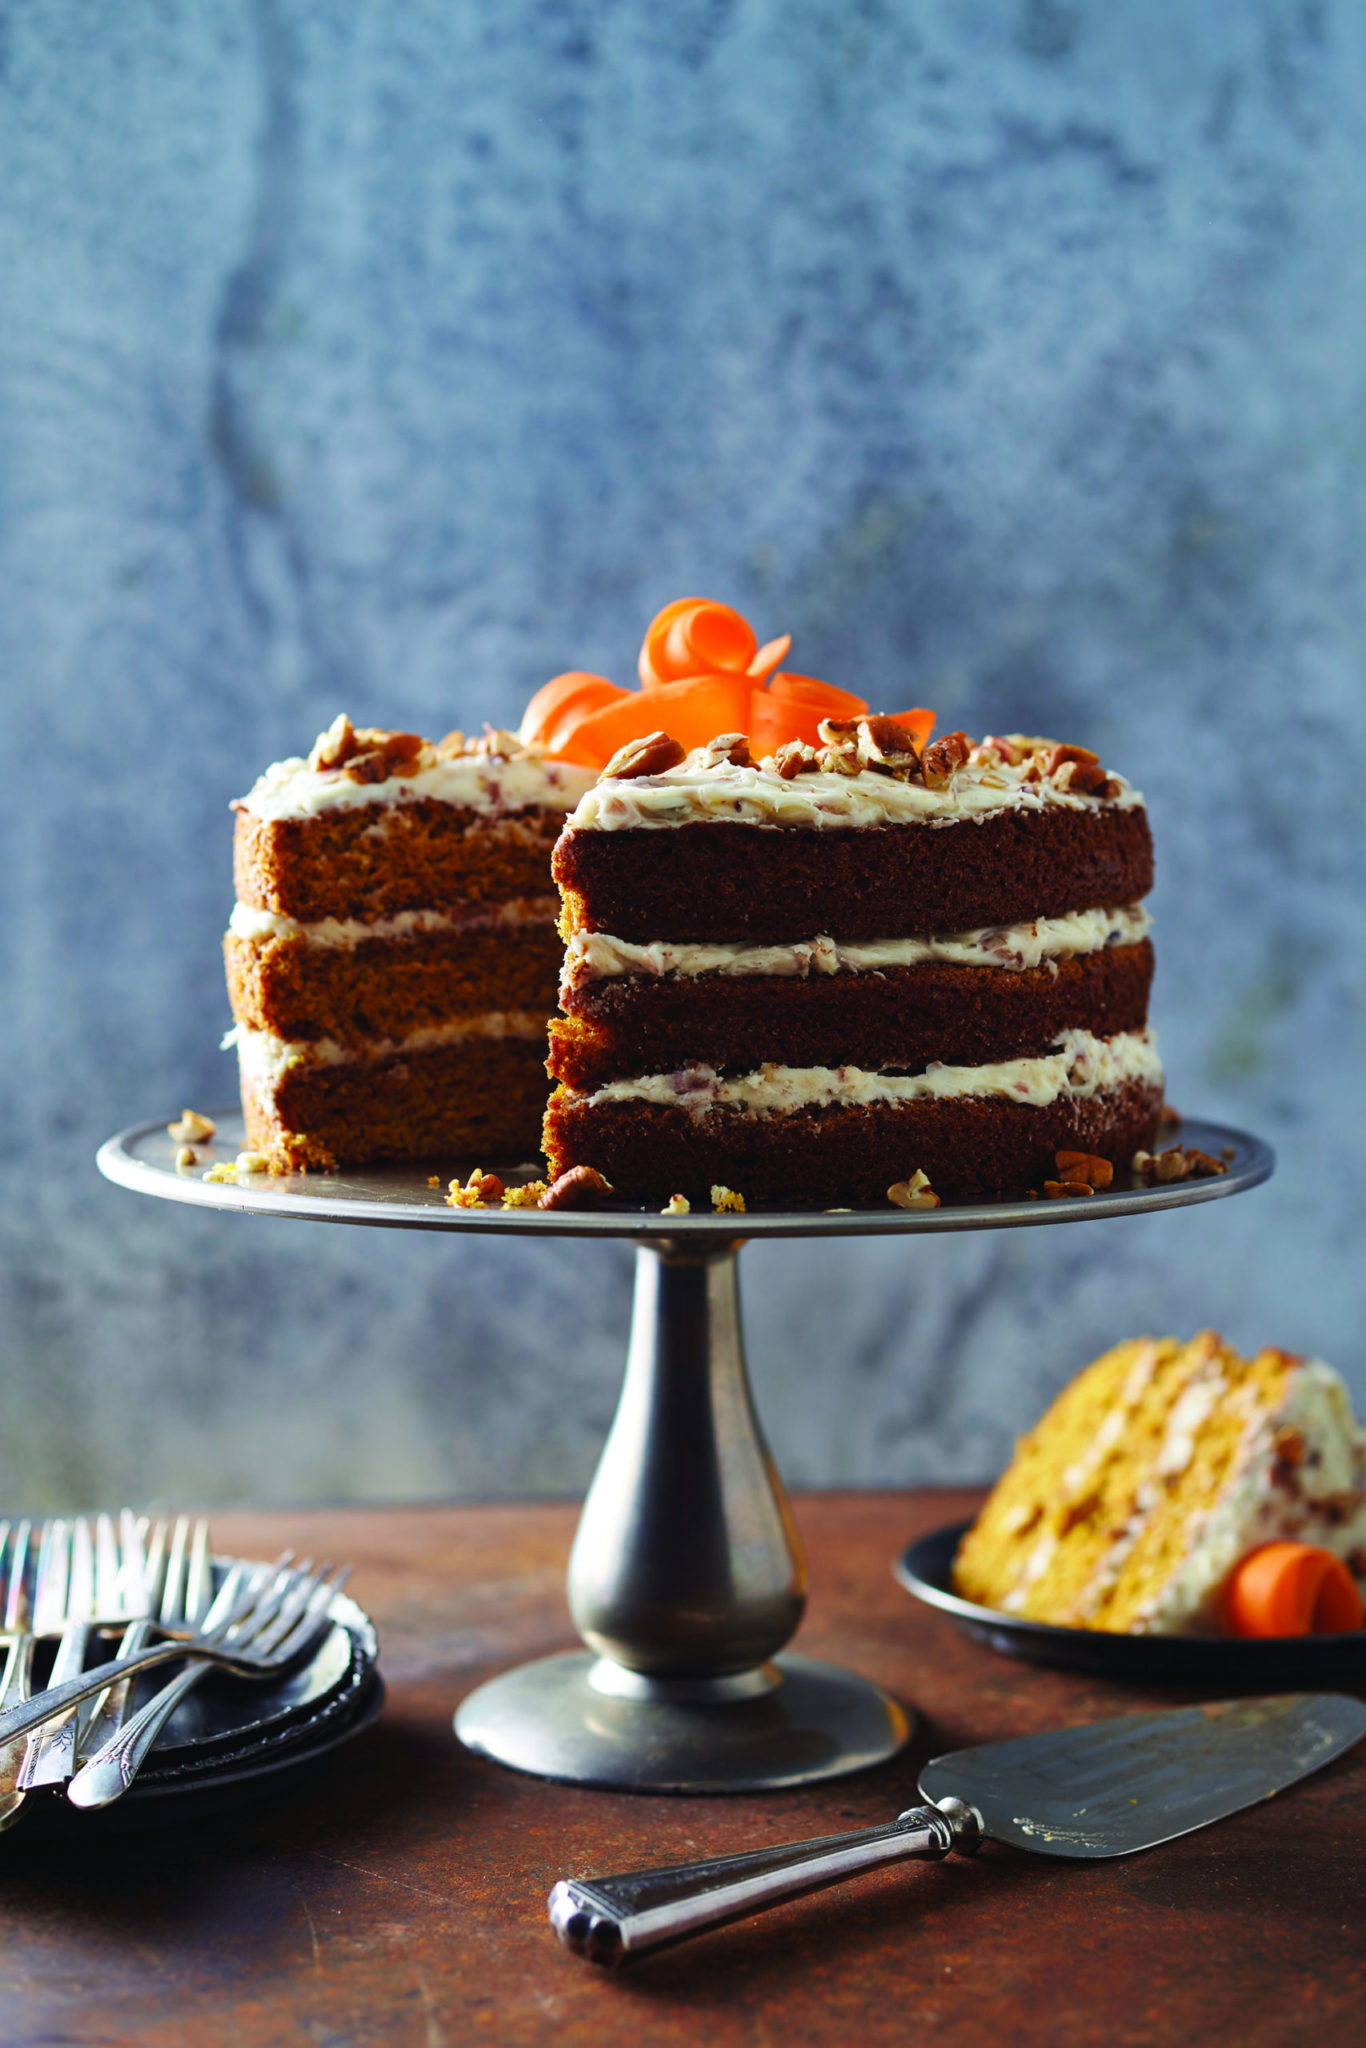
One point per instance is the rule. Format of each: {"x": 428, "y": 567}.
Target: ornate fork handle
{"x": 106, "y": 1775}
{"x": 56, "y": 1698}
{"x": 608, "y": 1920}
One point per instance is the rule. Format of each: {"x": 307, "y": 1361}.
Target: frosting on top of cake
{"x": 350, "y": 768}
{"x": 704, "y": 791}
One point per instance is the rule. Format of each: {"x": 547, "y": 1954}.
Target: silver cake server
{"x": 1105, "y": 1789}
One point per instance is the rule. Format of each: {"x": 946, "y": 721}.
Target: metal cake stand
{"x": 687, "y": 1575}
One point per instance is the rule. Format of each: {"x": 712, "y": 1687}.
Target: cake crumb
{"x": 583, "y": 1187}
{"x": 192, "y": 1128}
{"x": 915, "y": 1193}
{"x": 479, "y": 1192}
{"x": 186, "y": 1156}
{"x": 221, "y": 1172}
{"x": 723, "y": 1199}
{"x": 1057, "y": 1189}
{"x": 251, "y": 1162}
{"x": 677, "y": 1205}
{"x": 526, "y": 1197}
{"x": 433, "y": 1180}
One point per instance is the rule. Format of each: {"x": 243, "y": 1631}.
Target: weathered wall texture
{"x": 1010, "y": 353}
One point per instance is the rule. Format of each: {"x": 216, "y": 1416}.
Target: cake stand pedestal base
{"x": 811, "y": 1721}
{"x": 687, "y": 1577}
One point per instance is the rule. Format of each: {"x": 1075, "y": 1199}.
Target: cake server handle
{"x": 611, "y": 1920}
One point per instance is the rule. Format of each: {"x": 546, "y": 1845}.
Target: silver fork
{"x": 18, "y": 1660}
{"x": 279, "y": 1595}
{"x": 51, "y": 1756}
{"x": 137, "y": 1573}
{"x": 48, "y": 1616}
{"x": 110, "y": 1772}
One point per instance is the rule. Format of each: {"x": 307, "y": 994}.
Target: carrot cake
{"x": 1155, "y": 1474}
{"x": 818, "y": 974}
{"x": 392, "y": 956}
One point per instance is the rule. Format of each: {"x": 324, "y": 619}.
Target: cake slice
{"x": 811, "y": 977}
{"x": 1154, "y": 1473}
{"x": 392, "y": 956}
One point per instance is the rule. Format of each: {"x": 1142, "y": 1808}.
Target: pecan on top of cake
{"x": 349, "y": 765}
{"x": 867, "y": 770}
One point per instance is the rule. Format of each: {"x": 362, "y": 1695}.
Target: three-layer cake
{"x": 812, "y": 977}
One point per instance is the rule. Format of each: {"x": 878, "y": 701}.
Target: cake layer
{"x": 842, "y": 1154}
{"x": 900, "y": 1018}
{"x": 480, "y": 1098}
{"x": 390, "y": 984}
{"x": 769, "y": 885}
{"x": 368, "y": 862}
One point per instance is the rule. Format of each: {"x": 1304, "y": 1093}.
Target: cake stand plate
{"x": 687, "y": 1576}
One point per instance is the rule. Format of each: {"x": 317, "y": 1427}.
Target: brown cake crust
{"x": 484, "y": 1097}
{"x": 426, "y": 855}
{"x": 388, "y": 987}
{"x": 896, "y": 1020}
{"x": 766, "y": 884}
{"x": 842, "y": 1155}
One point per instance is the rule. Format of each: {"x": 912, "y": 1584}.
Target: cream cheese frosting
{"x": 1083, "y": 1066}
{"x": 264, "y": 1059}
{"x": 596, "y": 956}
{"x": 477, "y": 782}
{"x": 692, "y": 795}
{"x": 260, "y": 927}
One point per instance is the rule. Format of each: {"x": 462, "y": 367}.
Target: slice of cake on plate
{"x": 813, "y": 976}
{"x": 1155, "y": 1474}
{"x": 392, "y": 956}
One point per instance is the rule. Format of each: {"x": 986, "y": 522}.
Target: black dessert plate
{"x": 1230, "y": 1662}
{"x": 232, "y": 1736}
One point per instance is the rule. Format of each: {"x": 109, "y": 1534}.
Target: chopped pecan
{"x": 915, "y": 1193}
{"x": 251, "y": 1162}
{"x": 730, "y": 749}
{"x": 796, "y": 758}
{"x": 943, "y": 757}
{"x": 493, "y": 741}
{"x": 887, "y": 748}
{"x": 1202, "y": 1164}
{"x": 479, "y": 1192}
{"x": 839, "y": 760}
{"x": 1086, "y": 771}
{"x": 1056, "y": 1189}
{"x": 839, "y": 732}
{"x": 1170, "y": 1165}
{"x": 453, "y": 746}
{"x": 186, "y": 1156}
{"x": 334, "y": 746}
{"x": 192, "y": 1129}
{"x": 1084, "y": 1166}
{"x": 583, "y": 1187}
{"x": 648, "y": 756}
{"x": 677, "y": 1205}
{"x": 1004, "y": 749}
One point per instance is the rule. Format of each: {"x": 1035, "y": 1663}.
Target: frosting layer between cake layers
{"x": 392, "y": 955}
{"x": 764, "y": 985}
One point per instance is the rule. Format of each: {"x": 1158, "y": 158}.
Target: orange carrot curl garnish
{"x": 702, "y": 672}
{"x": 1291, "y": 1589}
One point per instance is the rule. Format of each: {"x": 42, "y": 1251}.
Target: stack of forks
{"x": 151, "y": 1584}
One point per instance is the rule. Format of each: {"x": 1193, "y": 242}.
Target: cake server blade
{"x": 1105, "y": 1789}
{"x": 1117, "y": 1786}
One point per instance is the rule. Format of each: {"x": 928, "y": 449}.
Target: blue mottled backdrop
{"x": 1009, "y": 353}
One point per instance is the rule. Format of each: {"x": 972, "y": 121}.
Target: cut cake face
{"x": 1154, "y": 1473}
{"x": 392, "y": 956}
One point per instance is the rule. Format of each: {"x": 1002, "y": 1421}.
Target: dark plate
{"x": 1229, "y": 1662}
{"x": 230, "y": 1736}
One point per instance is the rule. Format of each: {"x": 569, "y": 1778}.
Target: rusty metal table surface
{"x": 396, "y": 1893}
